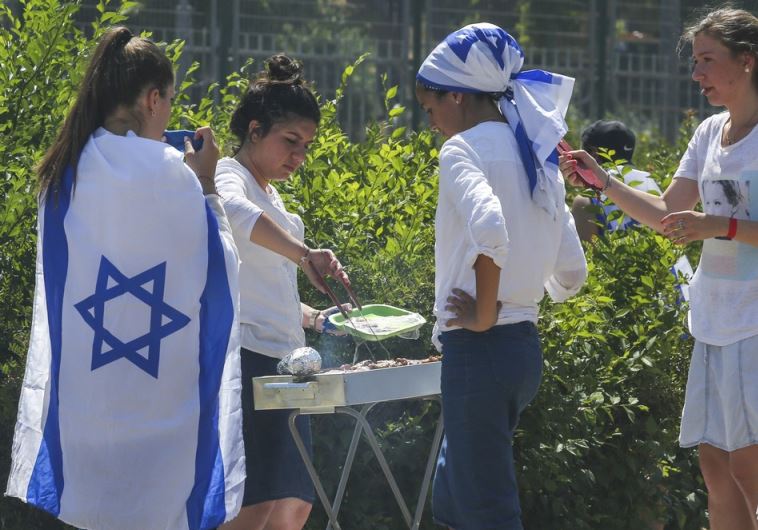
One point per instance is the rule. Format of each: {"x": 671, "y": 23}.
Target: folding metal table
{"x": 355, "y": 393}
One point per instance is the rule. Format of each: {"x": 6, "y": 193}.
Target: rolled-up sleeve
{"x": 463, "y": 183}
{"x": 241, "y": 212}
{"x": 570, "y": 271}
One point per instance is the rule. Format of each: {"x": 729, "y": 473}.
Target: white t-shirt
{"x": 485, "y": 207}
{"x": 724, "y": 289}
{"x": 271, "y": 318}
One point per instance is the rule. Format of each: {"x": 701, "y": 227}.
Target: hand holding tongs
{"x": 317, "y": 263}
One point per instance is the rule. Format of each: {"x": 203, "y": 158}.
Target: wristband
{"x": 732, "y": 228}
{"x": 607, "y": 182}
{"x": 315, "y": 316}
{"x": 304, "y": 257}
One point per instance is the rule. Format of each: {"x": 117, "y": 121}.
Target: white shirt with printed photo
{"x": 724, "y": 290}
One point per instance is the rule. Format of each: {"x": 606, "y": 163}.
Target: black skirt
{"x": 275, "y": 469}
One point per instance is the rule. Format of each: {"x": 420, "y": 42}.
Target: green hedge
{"x": 597, "y": 448}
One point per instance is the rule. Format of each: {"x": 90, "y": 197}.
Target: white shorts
{"x": 721, "y": 400}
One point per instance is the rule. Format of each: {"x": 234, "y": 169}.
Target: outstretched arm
{"x": 270, "y": 235}
{"x": 648, "y": 209}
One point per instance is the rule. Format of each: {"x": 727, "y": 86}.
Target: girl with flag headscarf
{"x": 504, "y": 235}
{"x": 129, "y": 411}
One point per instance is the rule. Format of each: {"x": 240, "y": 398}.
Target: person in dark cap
{"x": 608, "y": 141}
{"x": 612, "y": 135}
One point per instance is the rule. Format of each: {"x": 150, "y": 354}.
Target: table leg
{"x": 432, "y": 459}
{"x": 330, "y": 512}
{"x": 362, "y": 424}
{"x": 380, "y": 458}
{"x": 349, "y": 462}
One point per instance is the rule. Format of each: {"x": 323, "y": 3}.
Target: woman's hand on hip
{"x": 688, "y": 226}
{"x": 463, "y": 306}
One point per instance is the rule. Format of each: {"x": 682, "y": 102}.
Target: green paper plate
{"x": 378, "y": 322}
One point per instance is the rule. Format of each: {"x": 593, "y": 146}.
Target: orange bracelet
{"x": 732, "y": 228}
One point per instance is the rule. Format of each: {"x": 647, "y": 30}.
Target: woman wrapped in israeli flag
{"x": 504, "y": 236}
{"x": 129, "y": 414}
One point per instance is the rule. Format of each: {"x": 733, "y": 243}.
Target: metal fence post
{"x": 601, "y": 56}
{"x": 670, "y": 26}
{"x": 225, "y": 50}
{"x": 183, "y": 31}
{"x": 611, "y": 87}
{"x": 418, "y": 7}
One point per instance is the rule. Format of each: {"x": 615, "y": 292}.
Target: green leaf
{"x": 396, "y": 111}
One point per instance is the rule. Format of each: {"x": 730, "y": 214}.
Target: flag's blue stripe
{"x": 450, "y": 88}
{"x": 46, "y": 482}
{"x": 205, "y": 506}
{"x": 552, "y": 157}
{"x": 538, "y": 75}
{"x": 527, "y": 155}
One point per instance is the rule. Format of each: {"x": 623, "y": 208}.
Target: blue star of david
{"x": 164, "y": 319}
{"x": 495, "y": 38}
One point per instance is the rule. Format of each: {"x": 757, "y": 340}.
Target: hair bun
{"x": 121, "y": 35}
{"x": 283, "y": 69}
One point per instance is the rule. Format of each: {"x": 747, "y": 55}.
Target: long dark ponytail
{"x": 121, "y": 67}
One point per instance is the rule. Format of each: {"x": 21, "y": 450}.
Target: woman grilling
{"x": 275, "y": 122}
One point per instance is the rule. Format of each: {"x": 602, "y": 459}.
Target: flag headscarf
{"x": 129, "y": 414}
{"x": 484, "y": 58}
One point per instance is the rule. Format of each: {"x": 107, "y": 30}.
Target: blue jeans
{"x": 488, "y": 378}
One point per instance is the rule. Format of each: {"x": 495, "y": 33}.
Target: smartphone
{"x": 176, "y": 139}
{"x": 584, "y": 173}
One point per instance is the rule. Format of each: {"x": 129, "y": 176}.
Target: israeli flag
{"x": 484, "y": 58}
{"x": 129, "y": 416}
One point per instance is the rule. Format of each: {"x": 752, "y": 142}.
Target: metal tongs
{"x": 332, "y": 296}
{"x": 355, "y": 302}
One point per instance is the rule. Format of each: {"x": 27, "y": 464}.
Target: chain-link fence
{"x": 622, "y": 54}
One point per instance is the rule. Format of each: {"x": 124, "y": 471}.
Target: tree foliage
{"x": 597, "y": 449}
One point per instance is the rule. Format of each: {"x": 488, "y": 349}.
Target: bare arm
{"x": 480, "y": 313}
{"x": 648, "y": 209}
{"x": 267, "y": 233}
{"x": 747, "y": 232}
{"x": 203, "y": 162}
{"x": 487, "y": 287}
{"x": 310, "y": 314}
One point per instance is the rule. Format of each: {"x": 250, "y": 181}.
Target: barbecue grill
{"x": 354, "y": 393}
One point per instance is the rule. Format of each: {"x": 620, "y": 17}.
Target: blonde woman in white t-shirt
{"x": 719, "y": 170}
